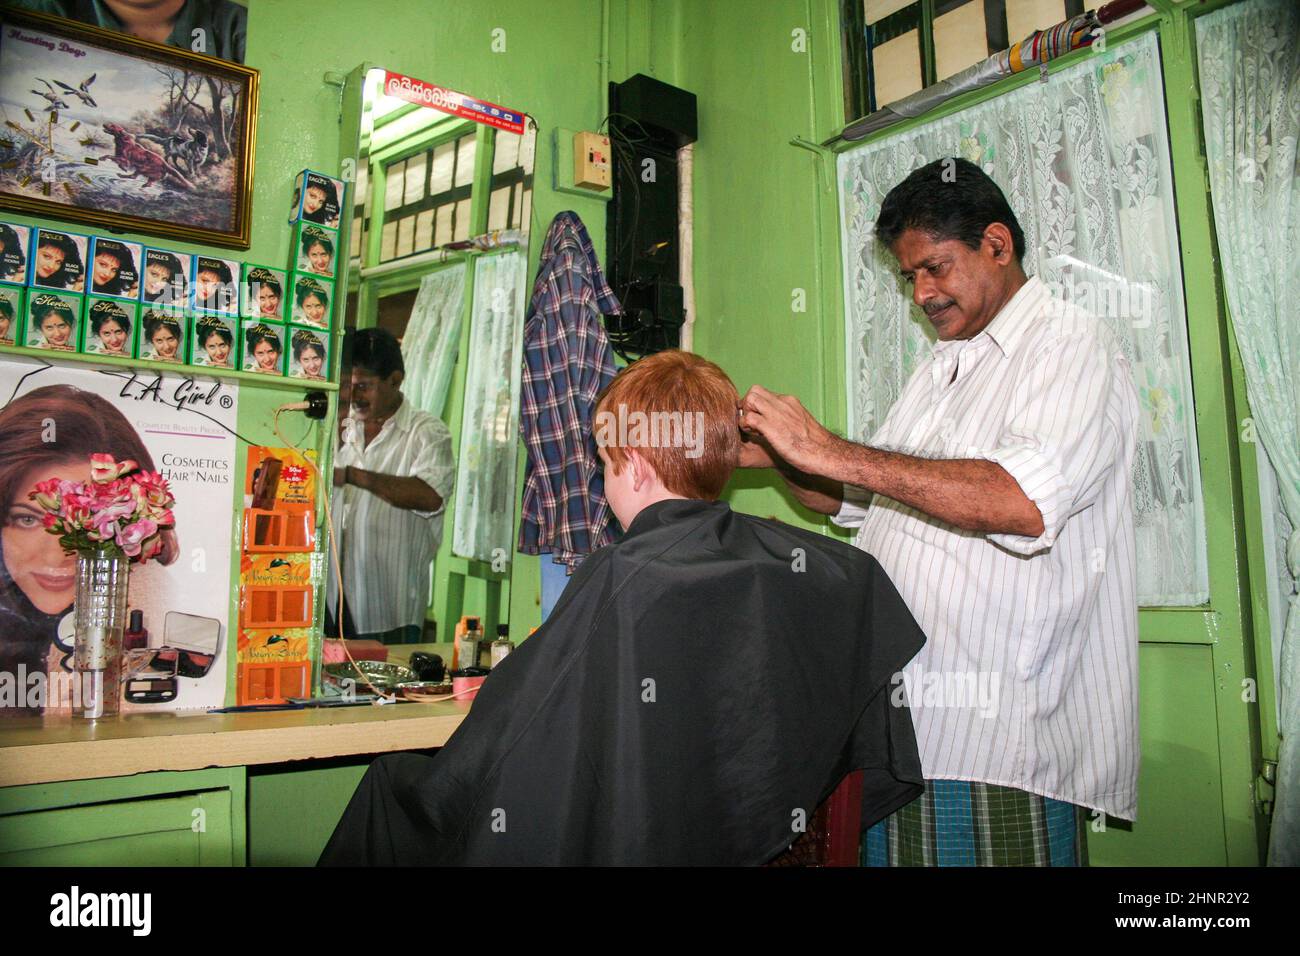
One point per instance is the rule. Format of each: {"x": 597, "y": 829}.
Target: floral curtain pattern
{"x": 1084, "y": 162}
{"x": 489, "y": 438}
{"x": 1249, "y": 65}
{"x": 432, "y": 339}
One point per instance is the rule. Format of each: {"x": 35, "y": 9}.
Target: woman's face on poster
{"x": 311, "y": 361}
{"x": 266, "y": 355}
{"x": 164, "y": 342}
{"x": 319, "y": 258}
{"x": 49, "y": 260}
{"x": 218, "y": 349}
{"x": 112, "y": 336}
{"x": 4, "y": 326}
{"x": 156, "y": 278}
{"x": 268, "y": 300}
{"x": 56, "y": 330}
{"x": 314, "y": 199}
{"x": 106, "y": 268}
{"x": 314, "y": 309}
{"x": 34, "y": 557}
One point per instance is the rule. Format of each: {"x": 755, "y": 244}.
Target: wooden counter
{"x": 49, "y": 749}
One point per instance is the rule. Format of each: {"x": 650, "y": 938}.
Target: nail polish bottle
{"x": 135, "y": 636}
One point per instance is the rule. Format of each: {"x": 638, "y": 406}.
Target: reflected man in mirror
{"x": 393, "y": 473}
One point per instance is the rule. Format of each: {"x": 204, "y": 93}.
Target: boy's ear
{"x": 642, "y": 471}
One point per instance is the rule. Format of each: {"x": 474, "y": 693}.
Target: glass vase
{"x": 100, "y": 621}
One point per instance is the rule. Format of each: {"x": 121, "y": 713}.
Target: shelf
{"x": 185, "y": 371}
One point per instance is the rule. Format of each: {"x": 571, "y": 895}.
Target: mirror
{"x": 441, "y": 215}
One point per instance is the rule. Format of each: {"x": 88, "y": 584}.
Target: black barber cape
{"x": 701, "y": 687}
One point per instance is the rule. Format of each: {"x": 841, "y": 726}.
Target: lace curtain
{"x": 1250, "y": 97}
{"x": 1084, "y": 162}
{"x": 432, "y": 338}
{"x": 489, "y": 438}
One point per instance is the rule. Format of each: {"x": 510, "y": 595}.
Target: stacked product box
{"x": 214, "y": 312}
{"x": 166, "y": 293}
{"x": 56, "y": 278}
{"x": 111, "y": 321}
{"x": 262, "y": 310}
{"x": 313, "y": 268}
{"x": 15, "y": 243}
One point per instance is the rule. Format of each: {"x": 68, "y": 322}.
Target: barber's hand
{"x": 788, "y": 428}
{"x": 340, "y": 477}
{"x": 755, "y": 452}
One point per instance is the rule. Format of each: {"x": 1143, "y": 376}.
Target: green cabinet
{"x": 154, "y": 819}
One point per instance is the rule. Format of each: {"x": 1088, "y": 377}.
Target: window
{"x": 427, "y": 199}
{"x": 511, "y": 190}
{"x": 893, "y": 48}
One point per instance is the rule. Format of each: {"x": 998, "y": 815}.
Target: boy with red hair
{"x": 700, "y": 688}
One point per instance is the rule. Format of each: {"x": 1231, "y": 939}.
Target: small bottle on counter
{"x": 501, "y": 646}
{"x": 135, "y": 636}
{"x": 467, "y": 644}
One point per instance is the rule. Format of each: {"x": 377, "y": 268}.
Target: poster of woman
{"x": 52, "y": 420}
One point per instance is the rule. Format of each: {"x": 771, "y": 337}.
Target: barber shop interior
{"x": 650, "y": 433}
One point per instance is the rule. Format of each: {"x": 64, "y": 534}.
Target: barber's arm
{"x": 814, "y": 492}
{"x": 971, "y": 494}
{"x": 411, "y": 494}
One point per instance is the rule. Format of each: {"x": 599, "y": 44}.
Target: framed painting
{"x": 103, "y": 128}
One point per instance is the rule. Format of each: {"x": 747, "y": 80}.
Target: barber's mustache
{"x": 932, "y": 307}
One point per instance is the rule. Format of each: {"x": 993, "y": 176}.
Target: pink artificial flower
{"x": 103, "y": 468}
{"x": 130, "y": 538}
{"x": 151, "y": 548}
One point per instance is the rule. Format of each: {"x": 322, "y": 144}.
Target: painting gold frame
{"x": 155, "y": 55}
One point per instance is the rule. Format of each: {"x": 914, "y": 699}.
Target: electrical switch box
{"x": 591, "y": 161}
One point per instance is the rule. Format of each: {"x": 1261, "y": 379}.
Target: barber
{"x": 997, "y": 495}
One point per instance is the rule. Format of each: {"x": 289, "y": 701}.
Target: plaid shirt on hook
{"x": 567, "y": 361}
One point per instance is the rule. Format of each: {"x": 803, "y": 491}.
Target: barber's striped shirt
{"x": 1029, "y": 676}
{"x": 387, "y": 552}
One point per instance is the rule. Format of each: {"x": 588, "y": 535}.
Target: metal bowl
{"x": 377, "y": 675}
{"x": 423, "y": 690}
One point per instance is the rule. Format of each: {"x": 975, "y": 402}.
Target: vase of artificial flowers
{"x": 110, "y": 521}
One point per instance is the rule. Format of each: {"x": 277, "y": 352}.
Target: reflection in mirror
{"x": 438, "y": 252}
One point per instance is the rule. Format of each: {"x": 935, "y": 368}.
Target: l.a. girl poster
{"x": 52, "y": 419}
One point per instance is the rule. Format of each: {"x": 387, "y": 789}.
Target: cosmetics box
{"x": 309, "y": 354}
{"x": 15, "y": 251}
{"x": 13, "y": 314}
{"x": 57, "y": 260}
{"x": 216, "y": 285}
{"x": 262, "y": 294}
{"x": 214, "y": 341}
{"x": 115, "y": 268}
{"x": 166, "y": 278}
{"x": 315, "y": 250}
{"x": 163, "y": 334}
{"x": 110, "y": 327}
{"x": 313, "y": 301}
{"x": 317, "y": 198}
{"x": 263, "y": 347}
{"x": 54, "y": 319}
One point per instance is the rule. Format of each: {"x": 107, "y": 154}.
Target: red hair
{"x": 686, "y": 409}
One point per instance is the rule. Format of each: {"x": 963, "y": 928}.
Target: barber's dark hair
{"x": 950, "y": 198}
{"x": 375, "y": 350}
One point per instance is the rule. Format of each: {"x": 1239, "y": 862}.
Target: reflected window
{"x": 423, "y": 193}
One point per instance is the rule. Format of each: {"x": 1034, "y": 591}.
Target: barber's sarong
{"x": 959, "y": 823}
